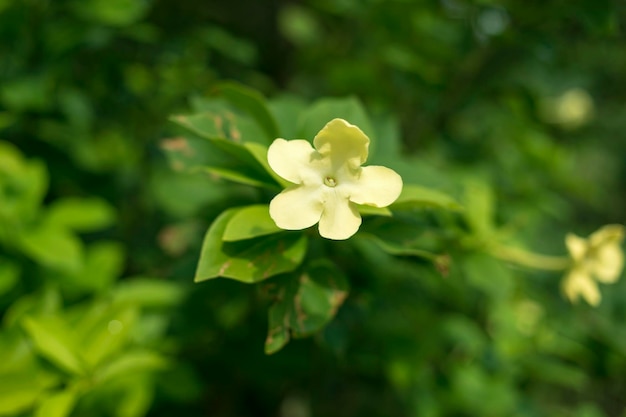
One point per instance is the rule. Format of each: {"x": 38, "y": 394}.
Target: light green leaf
{"x": 53, "y": 247}
{"x": 305, "y": 304}
{"x": 149, "y": 292}
{"x": 130, "y": 363}
{"x": 53, "y": 340}
{"x": 105, "y": 334}
{"x": 249, "y": 222}
{"x": 374, "y": 211}
{"x": 327, "y": 109}
{"x": 251, "y": 260}
{"x": 59, "y": 404}
{"x": 479, "y": 203}
{"x": 252, "y": 102}
{"x": 18, "y": 393}
{"x": 415, "y": 196}
{"x": 104, "y": 262}
{"x": 259, "y": 152}
{"x": 82, "y": 215}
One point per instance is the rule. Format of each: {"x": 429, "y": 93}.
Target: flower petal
{"x": 343, "y": 142}
{"x": 340, "y": 218}
{"x": 577, "y": 246}
{"x": 297, "y": 207}
{"x": 608, "y": 263}
{"x": 295, "y": 160}
{"x": 579, "y": 283}
{"x": 376, "y": 186}
{"x": 611, "y": 233}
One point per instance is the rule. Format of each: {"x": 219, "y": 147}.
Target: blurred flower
{"x": 329, "y": 181}
{"x": 571, "y": 109}
{"x": 597, "y": 258}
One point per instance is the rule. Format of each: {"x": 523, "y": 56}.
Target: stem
{"x": 531, "y": 260}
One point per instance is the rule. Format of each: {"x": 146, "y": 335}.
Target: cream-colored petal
{"x": 297, "y": 207}
{"x": 611, "y": 233}
{"x": 340, "y": 218}
{"x": 343, "y": 142}
{"x": 376, "y": 186}
{"x": 607, "y": 263}
{"x": 577, "y": 246}
{"x": 296, "y": 161}
{"x": 579, "y": 283}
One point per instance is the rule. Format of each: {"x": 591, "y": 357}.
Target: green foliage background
{"x": 516, "y": 109}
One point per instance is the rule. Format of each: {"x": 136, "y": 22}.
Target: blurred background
{"x": 99, "y": 238}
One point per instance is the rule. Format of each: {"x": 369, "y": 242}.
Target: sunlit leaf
{"x": 251, "y": 260}
{"x": 249, "y": 222}
{"x": 415, "y": 196}
{"x": 54, "y": 341}
{"x": 82, "y": 215}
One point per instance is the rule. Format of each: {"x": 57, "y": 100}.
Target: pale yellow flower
{"x": 599, "y": 258}
{"x": 329, "y": 181}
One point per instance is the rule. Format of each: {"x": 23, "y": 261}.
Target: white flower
{"x": 597, "y": 258}
{"x": 329, "y": 181}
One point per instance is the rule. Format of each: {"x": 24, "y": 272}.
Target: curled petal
{"x": 376, "y": 186}
{"x": 340, "y": 218}
{"x": 579, "y": 283}
{"x": 297, "y": 207}
{"x": 343, "y": 142}
{"x": 608, "y": 263}
{"x": 294, "y": 160}
{"x": 611, "y": 233}
{"x": 577, "y": 246}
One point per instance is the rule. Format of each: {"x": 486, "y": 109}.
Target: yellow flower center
{"x": 330, "y": 182}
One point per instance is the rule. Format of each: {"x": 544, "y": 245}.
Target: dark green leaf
{"x": 252, "y": 102}
{"x": 325, "y": 110}
{"x": 305, "y": 304}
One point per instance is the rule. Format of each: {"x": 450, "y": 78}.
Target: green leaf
{"x": 238, "y": 177}
{"x": 53, "y": 341}
{"x": 327, "y": 109}
{"x": 149, "y": 292}
{"x": 305, "y": 304}
{"x": 396, "y": 249}
{"x": 130, "y": 363}
{"x": 18, "y": 393}
{"x": 81, "y": 215}
{"x": 9, "y": 273}
{"x": 479, "y": 203}
{"x": 104, "y": 333}
{"x": 249, "y": 222}
{"x": 104, "y": 263}
{"x": 374, "y": 211}
{"x": 259, "y": 152}
{"x": 286, "y": 110}
{"x": 251, "y": 260}
{"x": 58, "y": 404}
{"x": 252, "y": 102}
{"x": 223, "y": 125}
{"x": 53, "y": 247}
{"x": 415, "y": 196}
{"x": 488, "y": 274}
